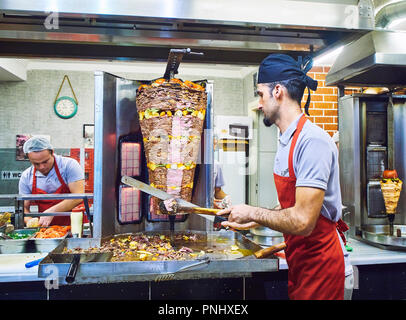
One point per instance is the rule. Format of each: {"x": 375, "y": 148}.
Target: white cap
{"x": 336, "y": 137}
{"x": 36, "y": 144}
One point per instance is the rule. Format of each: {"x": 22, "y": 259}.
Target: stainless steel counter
{"x": 12, "y": 266}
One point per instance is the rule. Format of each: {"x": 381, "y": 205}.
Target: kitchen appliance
{"x": 372, "y": 139}
{"x": 372, "y": 135}
{"x": 234, "y": 134}
{"x": 119, "y": 152}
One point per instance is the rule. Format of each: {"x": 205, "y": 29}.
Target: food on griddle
{"x": 140, "y": 247}
{"x": 391, "y": 188}
{"x": 158, "y": 247}
{"x": 171, "y": 115}
{"x": 52, "y": 232}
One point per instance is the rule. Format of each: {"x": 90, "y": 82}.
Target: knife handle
{"x": 33, "y": 263}
{"x": 209, "y": 211}
{"x": 73, "y": 269}
{"x": 270, "y": 250}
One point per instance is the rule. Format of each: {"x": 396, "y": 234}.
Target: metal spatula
{"x": 171, "y": 275}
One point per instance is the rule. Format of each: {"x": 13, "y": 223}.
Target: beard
{"x": 268, "y": 122}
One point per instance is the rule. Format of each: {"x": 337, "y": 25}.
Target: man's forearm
{"x": 64, "y": 205}
{"x": 282, "y": 220}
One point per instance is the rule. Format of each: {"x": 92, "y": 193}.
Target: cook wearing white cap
{"x": 48, "y": 174}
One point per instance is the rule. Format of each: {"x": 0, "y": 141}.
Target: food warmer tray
{"x": 12, "y": 246}
{"x": 47, "y": 244}
{"x": 378, "y": 235}
{"x": 220, "y": 266}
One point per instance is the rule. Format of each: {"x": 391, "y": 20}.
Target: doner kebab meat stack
{"x": 171, "y": 115}
{"x": 391, "y": 187}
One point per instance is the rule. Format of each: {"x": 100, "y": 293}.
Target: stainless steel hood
{"x": 226, "y": 31}
{"x": 377, "y": 59}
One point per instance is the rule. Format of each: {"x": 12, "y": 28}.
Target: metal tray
{"x": 10, "y": 246}
{"x": 265, "y": 236}
{"x": 267, "y": 240}
{"x": 220, "y": 266}
{"x": 47, "y": 245}
{"x": 379, "y": 234}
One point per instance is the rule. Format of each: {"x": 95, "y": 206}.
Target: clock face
{"x": 65, "y": 107}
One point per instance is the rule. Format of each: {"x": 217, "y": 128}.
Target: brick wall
{"x": 323, "y": 105}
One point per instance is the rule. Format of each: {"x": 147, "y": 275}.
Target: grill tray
{"x": 220, "y": 266}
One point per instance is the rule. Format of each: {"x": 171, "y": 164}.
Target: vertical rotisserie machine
{"x": 119, "y": 151}
{"x": 372, "y": 139}
{"x": 372, "y": 133}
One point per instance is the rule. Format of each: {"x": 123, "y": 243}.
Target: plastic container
{"x": 76, "y": 221}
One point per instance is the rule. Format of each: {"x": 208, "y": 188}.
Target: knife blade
{"x": 154, "y": 191}
{"x": 160, "y": 194}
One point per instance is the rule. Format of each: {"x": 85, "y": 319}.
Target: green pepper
{"x": 18, "y": 236}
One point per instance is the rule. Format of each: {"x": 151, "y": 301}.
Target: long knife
{"x": 260, "y": 254}
{"x": 161, "y": 194}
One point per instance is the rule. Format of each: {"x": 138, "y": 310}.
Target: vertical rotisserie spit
{"x": 171, "y": 116}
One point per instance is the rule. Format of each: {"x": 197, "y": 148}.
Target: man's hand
{"x": 240, "y": 217}
{"x": 297, "y": 220}
{"x": 217, "y": 203}
{"x": 45, "y": 221}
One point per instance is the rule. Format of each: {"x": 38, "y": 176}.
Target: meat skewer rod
{"x": 391, "y": 218}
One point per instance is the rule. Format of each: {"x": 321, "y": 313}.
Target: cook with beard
{"x": 50, "y": 173}
{"x": 306, "y": 176}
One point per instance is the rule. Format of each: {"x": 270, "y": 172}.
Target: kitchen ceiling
{"x": 229, "y": 32}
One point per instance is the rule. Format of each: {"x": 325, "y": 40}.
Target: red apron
{"x": 46, "y": 204}
{"x": 316, "y": 262}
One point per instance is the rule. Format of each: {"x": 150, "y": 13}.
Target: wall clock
{"x": 65, "y": 107}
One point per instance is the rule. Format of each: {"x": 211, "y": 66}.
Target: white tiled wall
{"x": 27, "y": 106}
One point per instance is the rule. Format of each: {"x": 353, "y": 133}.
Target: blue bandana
{"x": 279, "y": 67}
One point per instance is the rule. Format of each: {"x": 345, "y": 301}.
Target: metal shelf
{"x": 20, "y": 198}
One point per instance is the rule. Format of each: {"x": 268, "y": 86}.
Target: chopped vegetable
{"x": 17, "y": 236}
{"x": 52, "y": 232}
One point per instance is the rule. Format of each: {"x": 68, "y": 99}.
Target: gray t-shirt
{"x": 315, "y": 163}
{"x": 69, "y": 169}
